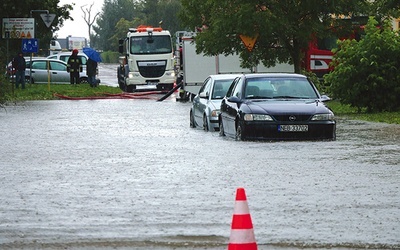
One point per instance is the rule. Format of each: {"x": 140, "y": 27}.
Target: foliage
{"x": 110, "y": 57}
{"x": 119, "y": 15}
{"x": 121, "y": 28}
{"x": 346, "y": 111}
{"x": 32, "y": 8}
{"x": 283, "y": 28}
{"x": 322, "y": 89}
{"x": 112, "y": 12}
{"x": 366, "y": 72}
{"x": 42, "y": 92}
{"x": 5, "y": 89}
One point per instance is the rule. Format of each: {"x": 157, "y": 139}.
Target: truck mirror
{"x": 121, "y": 46}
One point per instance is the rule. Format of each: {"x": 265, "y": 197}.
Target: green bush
{"x": 110, "y": 57}
{"x": 5, "y": 89}
{"x": 366, "y": 72}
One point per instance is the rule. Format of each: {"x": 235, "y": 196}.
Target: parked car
{"x": 205, "y": 108}
{"x": 57, "y": 71}
{"x": 275, "y": 106}
{"x": 64, "y": 56}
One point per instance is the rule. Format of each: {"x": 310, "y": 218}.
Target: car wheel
{"x": 239, "y": 133}
{"x": 192, "y": 122}
{"x": 83, "y": 80}
{"x": 221, "y": 128}
{"x": 27, "y": 80}
{"x": 205, "y": 123}
{"x": 130, "y": 88}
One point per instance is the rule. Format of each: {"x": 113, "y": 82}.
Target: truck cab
{"x": 148, "y": 59}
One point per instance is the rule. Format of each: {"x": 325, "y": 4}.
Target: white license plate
{"x": 293, "y": 128}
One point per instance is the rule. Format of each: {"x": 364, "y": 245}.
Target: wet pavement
{"x": 132, "y": 174}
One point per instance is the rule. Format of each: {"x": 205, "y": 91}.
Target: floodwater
{"x": 132, "y": 174}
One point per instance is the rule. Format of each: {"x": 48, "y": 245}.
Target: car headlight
{"x": 215, "y": 113}
{"x": 257, "y": 117}
{"x": 133, "y": 75}
{"x": 323, "y": 117}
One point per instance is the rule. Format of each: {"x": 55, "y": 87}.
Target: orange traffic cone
{"x": 242, "y": 233}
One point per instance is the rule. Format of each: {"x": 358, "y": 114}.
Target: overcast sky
{"x": 78, "y": 27}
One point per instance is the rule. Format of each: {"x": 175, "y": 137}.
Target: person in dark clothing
{"x": 91, "y": 69}
{"x": 19, "y": 64}
{"x": 74, "y": 66}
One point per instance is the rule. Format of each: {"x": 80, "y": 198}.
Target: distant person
{"x": 19, "y": 64}
{"x": 74, "y": 66}
{"x": 91, "y": 70}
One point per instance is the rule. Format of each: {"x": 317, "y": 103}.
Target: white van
{"x": 64, "y": 56}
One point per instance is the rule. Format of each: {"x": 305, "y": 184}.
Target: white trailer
{"x": 194, "y": 68}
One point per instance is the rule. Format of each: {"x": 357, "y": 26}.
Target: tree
{"x": 365, "y": 73}
{"x": 135, "y": 13}
{"x": 25, "y": 9}
{"x": 283, "y": 28}
{"x": 87, "y": 16}
{"x": 112, "y": 12}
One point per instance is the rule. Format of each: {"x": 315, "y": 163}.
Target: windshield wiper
{"x": 287, "y": 97}
{"x": 258, "y": 97}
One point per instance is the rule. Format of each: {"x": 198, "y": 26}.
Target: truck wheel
{"x": 28, "y": 80}
{"x": 121, "y": 80}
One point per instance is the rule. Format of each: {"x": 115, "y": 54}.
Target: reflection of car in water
{"x": 206, "y": 104}
{"x": 54, "y": 70}
{"x": 276, "y": 107}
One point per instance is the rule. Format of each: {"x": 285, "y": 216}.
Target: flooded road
{"x": 132, "y": 174}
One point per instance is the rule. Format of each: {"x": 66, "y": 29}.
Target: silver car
{"x": 206, "y": 104}
{"x": 45, "y": 70}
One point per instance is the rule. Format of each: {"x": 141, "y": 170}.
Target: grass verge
{"x": 46, "y": 92}
{"x": 346, "y": 111}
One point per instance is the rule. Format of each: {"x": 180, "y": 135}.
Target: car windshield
{"x": 269, "y": 88}
{"x": 150, "y": 45}
{"x": 220, "y": 88}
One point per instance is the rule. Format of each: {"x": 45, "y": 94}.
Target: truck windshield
{"x": 150, "y": 45}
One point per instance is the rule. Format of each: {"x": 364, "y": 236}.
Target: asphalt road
{"x": 132, "y": 174}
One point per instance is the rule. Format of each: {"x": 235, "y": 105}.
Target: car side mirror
{"x": 121, "y": 46}
{"x": 325, "y": 98}
{"x": 203, "y": 95}
{"x": 234, "y": 99}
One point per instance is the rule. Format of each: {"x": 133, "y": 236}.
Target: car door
{"x": 39, "y": 71}
{"x": 226, "y": 116}
{"x": 232, "y": 107}
{"x": 200, "y": 101}
{"x": 59, "y": 72}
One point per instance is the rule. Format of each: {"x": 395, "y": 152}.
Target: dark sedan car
{"x": 275, "y": 106}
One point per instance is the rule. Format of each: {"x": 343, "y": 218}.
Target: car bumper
{"x": 316, "y": 131}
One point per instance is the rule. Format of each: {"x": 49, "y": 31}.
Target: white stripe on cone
{"x": 242, "y": 236}
{"x": 241, "y": 207}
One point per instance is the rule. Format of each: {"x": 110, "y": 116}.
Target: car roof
{"x": 224, "y": 76}
{"x": 279, "y": 75}
{"x": 68, "y": 54}
{"x": 46, "y": 59}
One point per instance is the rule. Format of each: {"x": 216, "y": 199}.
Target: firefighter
{"x": 74, "y": 66}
